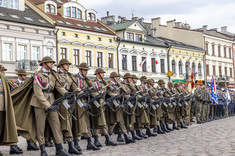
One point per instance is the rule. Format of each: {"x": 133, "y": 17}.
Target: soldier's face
{"x": 100, "y": 76}
{"x": 3, "y": 71}
{"x": 142, "y": 82}
{"x": 84, "y": 72}
{"x": 162, "y": 85}
{"x": 148, "y": 85}
{"x": 170, "y": 86}
{"x": 130, "y": 80}
{"x": 135, "y": 80}
{"x": 22, "y": 77}
{"x": 115, "y": 78}
{"x": 66, "y": 67}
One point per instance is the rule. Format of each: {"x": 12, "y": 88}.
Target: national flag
{"x": 191, "y": 83}
{"x": 142, "y": 62}
{"x": 156, "y": 62}
{"x": 227, "y": 95}
{"x": 213, "y": 90}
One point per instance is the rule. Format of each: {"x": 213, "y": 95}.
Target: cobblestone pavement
{"x": 215, "y": 138}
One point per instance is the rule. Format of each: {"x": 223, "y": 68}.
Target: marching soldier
{"x": 199, "y": 99}
{"x": 115, "y": 115}
{"x": 21, "y": 73}
{"x": 8, "y": 130}
{"x": 68, "y": 82}
{"x": 186, "y": 107}
{"x": 84, "y": 112}
{"x": 100, "y": 82}
{"x": 45, "y": 82}
{"x": 204, "y": 105}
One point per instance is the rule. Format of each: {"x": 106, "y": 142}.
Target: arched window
{"x": 91, "y": 16}
{"x": 199, "y": 69}
{"x": 193, "y": 68}
{"x": 180, "y": 67}
{"x": 50, "y": 8}
{"x": 173, "y": 66}
{"x": 187, "y": 64}
{"x": 73, "y": 12}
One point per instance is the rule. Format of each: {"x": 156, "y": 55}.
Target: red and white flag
{"x": 142, "y": 62}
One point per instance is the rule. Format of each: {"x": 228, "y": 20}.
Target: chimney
{"x": 134, "y": 18}
{"x": 205, "y": 28}
{"x": 171, "y": 23}
{"x": 123, "y": 19}
{"x": 107, "y": 13}
{"x": 155, "y": 25}
{"x": 141, "y": 20}
{"x": 224, "y": 29}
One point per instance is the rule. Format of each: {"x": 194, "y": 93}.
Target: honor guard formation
{"x": 51, "y": 108}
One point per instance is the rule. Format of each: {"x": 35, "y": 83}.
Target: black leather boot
{"x": 175, "y": 127}
{"x": 14, "y": 149}
{"x": 164, "y": 128}
{"x": 61, "y": 151}
{"x": 76, "y": 145}
{"x": 43, "y": 150}
{"x": 49, "y": 144}
{"x": 72, "y": 149}
{"x": 128, "y": 139}
{"x": 149, "y": 132}
{"x": 182, "y": 125}
{"x": 109, "y": 141}
{"x": 0, "y": 153}
{"x": 159, "y": 130}
{"x": 134, "y": 136}
{"x": 32, "y": 146}
{"x": 119, "y": 137}
{"x": 83, "y": 137}
{"x": 96, "y": 142}
{"x": 143, "y": 135}
{"x": 168, "y": 127}
{"x": 91, "y": 145}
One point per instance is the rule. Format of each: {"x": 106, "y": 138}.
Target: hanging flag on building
{"x": 191, "y": 83}
{"x": 142, "y": 62}
{"x": 213, "y": 90}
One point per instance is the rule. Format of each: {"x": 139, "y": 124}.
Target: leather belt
{"x": 47, "y": 91}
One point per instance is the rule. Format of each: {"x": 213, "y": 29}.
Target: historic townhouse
{"x": 81, "y": 37}
{"x": 138, "y": 55}
{"x": 25, "y": 37}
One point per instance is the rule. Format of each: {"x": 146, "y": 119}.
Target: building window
{"x": 88, "y": 57}
{"x": 220, "y": 71}
{"x": 214, "y": 71}
{"x": 88, "y": 37}
{"x": 213, "y": 50}
{"x": 231, "y": 72}
{"x": 207, "y": 70}
{"x": 225, "y": 71}
{"x": 110, "y": 60}
{"x": 206, "y": 48}
{"x": 124, "y": 62}
{"x": 36, "y": 31}
{"x": 193, "y": 68}
{"x": 134, "y": 63}
{"x": 35, "y": 53}
{"x": 180, "y": 67}
{"x": 48, "y": 52}
{"x": 76, "y": 35}
{"x": 63, "y": 53}
{"x": 91, "y": 16}
{"x": 130, "y": 36}
{"x": 153, "y": 60}
{"x": 76, "y": 53}
{"x": 3, "y": 3}
{"x": 22, "y": 29}
{"x": 187, "y": 66}
{"x": 173, "y": 66}
{"x": 225, "y": 52}
{"x": 162, "y": 66}
{"x": 21, "y": 52}
{"x": 7, "y": 27}
{"x": 73, "y": 12}
{"x": 110, "y": 41}
{"x": 100, "y": 59}
{"x": 219, "y": 51}
{"x": 63, "y": 34}
{"x": 99, "y": 38}
{"x": 7, "y": 52}
{"x": 14, "y": 4}
{"x": 50, "y": 8}
{"x": 230, "y": 52}
{"x": 144, "y": 65}
{"x": 199, "y": 69}
{"x": 138, "y": 37}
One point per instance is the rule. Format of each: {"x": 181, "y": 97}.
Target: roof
{"x": 180, "y": 44}
{"x": 122, "y": 26}
{"x": 28, "y": 16}
{"x": 145, "y": 43}
{"x": 58, "y": 2}
{"x": 155, "y": 41}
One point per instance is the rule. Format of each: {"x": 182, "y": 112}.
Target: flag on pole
{"x": 191, "y": 83}
{"x": 227, "y": 95}
{"x": 213, "y": 90}
{"x": 142, "y": 62}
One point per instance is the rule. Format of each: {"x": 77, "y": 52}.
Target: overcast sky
{"x": 214, "y": 13}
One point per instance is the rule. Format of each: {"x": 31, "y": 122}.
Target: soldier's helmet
{"x": 2, "y": 68}
{"x": 143, "y": 78}
{"x": 161, "y": 82}
{"x": 83, "y": 65}
{"x": 64, "y": 61}
{"x": 99, "y": 70}
{"x": 113, "y": 74}
{"x": 21, "y": 72}
{"x": 134, "y": 76}
{"x": 150, "y": 81}
{"x": 45, "y": 60}
{"x": 170, "y": 84}
{"x": 127, "y": 75}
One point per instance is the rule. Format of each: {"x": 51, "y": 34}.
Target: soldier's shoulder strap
{"x": 72, "y": 78}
